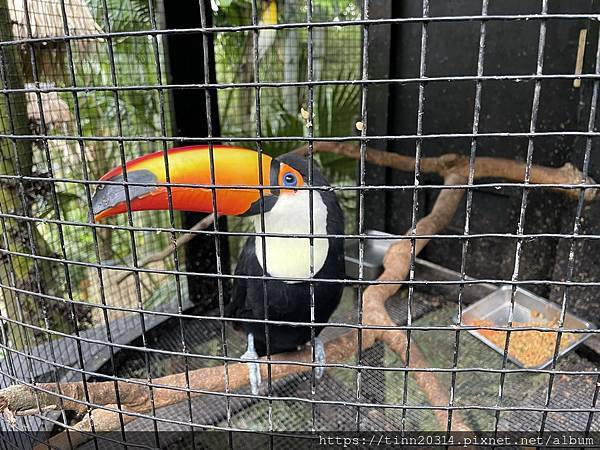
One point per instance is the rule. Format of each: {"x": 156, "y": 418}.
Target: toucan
{"x": 278, "y": 265}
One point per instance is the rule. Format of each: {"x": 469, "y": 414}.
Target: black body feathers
{"x": 290, "y": 301}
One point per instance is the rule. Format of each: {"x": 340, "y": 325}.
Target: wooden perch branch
{"x": 21, "y": 399}
{"x": 452, "y": 163}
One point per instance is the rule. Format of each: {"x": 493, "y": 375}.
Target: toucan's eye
{"x": 289, "y": 179}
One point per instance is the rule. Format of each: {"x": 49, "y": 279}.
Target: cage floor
{"x": 291, "y": 410}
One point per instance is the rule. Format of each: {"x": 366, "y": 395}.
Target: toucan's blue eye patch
{"x": 290, "y": 179}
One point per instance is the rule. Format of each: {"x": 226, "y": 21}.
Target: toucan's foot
{"x": 319, "y": 358}
{"x": 253, "y": 374}
{"x": 253, "y": 367}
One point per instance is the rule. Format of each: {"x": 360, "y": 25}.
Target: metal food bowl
{"x": 373, "y": 253}
{"x": 527, "y": 307}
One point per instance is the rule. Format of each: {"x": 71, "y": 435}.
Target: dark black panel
{"x": 406, "y": 41}
{"x": 511, "y": 49}
{"x": 185, "y": 56}
{"x": 377, "y": 109}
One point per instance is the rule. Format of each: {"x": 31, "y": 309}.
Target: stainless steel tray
{"x": 496, "y": 308}
{"x": 374, "y": 251}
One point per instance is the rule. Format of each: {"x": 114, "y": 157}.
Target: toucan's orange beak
{"x": 236, "y": 169}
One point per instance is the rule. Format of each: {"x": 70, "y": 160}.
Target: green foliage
{"x": 124, "y": 15}
{"x": 139, "y": 113}
{"x": 336, "y": 54}
{"x": 282, "y": 123}
{"x": 335, "y": 108}
{"x": 67, "y": 201}
{"x": 335, "y": 113}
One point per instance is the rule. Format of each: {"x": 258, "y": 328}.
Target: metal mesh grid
{"x": 87, "y": 86}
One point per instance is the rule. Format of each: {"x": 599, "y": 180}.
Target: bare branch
{"x": 452, "y": 163}
{"x": 170, "y": 249}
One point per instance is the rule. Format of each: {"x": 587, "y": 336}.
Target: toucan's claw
{"x": 254, "y": 375}
{"x": 319, "y": 358}
{"x": 253, "y": 367}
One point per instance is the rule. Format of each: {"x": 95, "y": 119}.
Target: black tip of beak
{"x": 110, "y": 195}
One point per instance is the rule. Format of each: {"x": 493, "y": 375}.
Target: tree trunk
{"x": 16, "y": 155}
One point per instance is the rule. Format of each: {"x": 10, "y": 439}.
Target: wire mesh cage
{"x": 291, "y": 222}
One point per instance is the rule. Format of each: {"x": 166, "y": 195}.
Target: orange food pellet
{"x": 530, "y": 347}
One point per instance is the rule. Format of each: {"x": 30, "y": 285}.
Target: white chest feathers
{"x": 289, "y": 257}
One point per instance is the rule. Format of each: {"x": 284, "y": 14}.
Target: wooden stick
{"x": 452, "y": 163}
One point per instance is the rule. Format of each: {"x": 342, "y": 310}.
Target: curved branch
{"x": 452, "y": 163}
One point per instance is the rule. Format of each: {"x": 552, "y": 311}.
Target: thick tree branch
{"x": 452, "y": 163}
{"x": 396, "y": 268}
